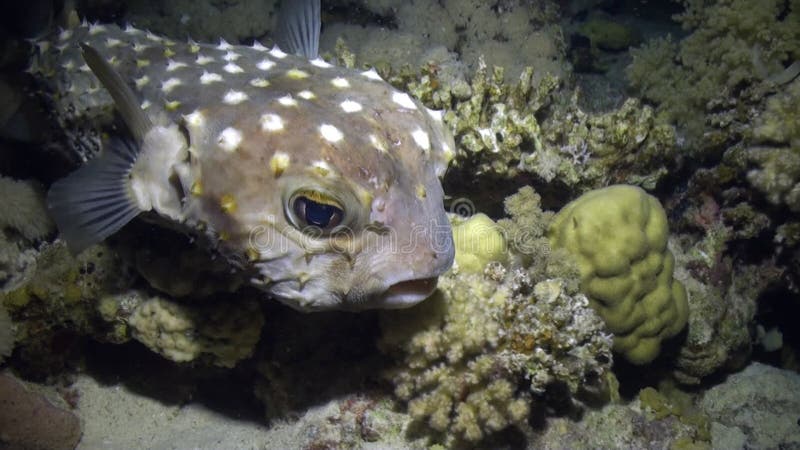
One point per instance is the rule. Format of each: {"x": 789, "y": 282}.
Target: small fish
{"x": 321, "y": 181}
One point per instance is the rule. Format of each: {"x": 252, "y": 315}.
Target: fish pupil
{"x": 317, "y": 214}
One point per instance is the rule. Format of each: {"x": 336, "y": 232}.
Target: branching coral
{"x": 733, "y": 44}
{"x": 777, "y": 154}
{"x": 473, "y": 356}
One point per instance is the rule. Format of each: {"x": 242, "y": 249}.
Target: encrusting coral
{"x": 619, "y": 237}
{"x": 226, "y": 332}
{"x": 472, "y": 357}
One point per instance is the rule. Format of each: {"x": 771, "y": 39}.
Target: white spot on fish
{"x": 195, "y": 119}
{"x": 402, "y": 99}
{"x": 138, "y": 47}
{"x": 340, "y": 83}
{"x": 174, "y": 65}
{"x": 307, "y": 95}
{"x": 111, "y": 42}
{"x": 232, "y": 68}
{"x": 265, "y": 64}
{"x": 209, "y": 77}
{"x": 421, "y": 138}
{"x": 277, "y": 53}
{"x": 69, "y": 66}
{"x": 202, "y": 60}
{"x": 259, "y": 82}
{"x": 350, "y": 106}
{"x": 65, "y": 34}
{"x": 372, "y": 75}
{"x": 234, "y": 97}
{"x": 231, "y": 56}
{"x": 153, "y": 37}
{"x": 223, "y": 45}
{"x": 170, "y": 84}
{"x": 287, "y": 100}
{"x": 321, "y": 63}
{"x": 257, "y": 46}
{"x": 330, "y": 133}
{"x": 145, "y": 104}
{"x": 229, "y": 139}
{"x": 436, "y": 115}
{"x": 271, "y": 122}
{"x": 97, "y": 29}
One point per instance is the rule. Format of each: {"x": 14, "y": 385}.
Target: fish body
{"x": 321, "y": 181}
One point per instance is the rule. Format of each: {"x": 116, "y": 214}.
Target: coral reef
{"x": 606, "y": 33}
{"x": 732, "y": 44}
{"x": 619, "y": 237}
{"x": 94, "y": 294}
{"x": 208, "y": 21}
{"x": 478, "y": 242}
{"x": 225, "y": 331}
{"x": 473, "y": 356}
{"x": 754, "y": 407}
{"x": 508, "y": 130}
{"x": 23, "y": 208}
{"x": 776, "y": 149}
{"x": 513, "y": 34}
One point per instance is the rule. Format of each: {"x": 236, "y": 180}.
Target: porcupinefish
{"x": 321, "y": 181}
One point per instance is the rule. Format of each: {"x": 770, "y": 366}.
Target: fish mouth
{"x": 407, "y": 293}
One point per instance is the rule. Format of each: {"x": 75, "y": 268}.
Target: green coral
{"x": 472, "y": 357}
{"x": 732, "y": 44}
{"x": 776, "y": 154}
{"x": 607, "y": 34}
{"x": 619, "y": 237}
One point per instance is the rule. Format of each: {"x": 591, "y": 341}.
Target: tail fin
{"x": 95, "y": 201}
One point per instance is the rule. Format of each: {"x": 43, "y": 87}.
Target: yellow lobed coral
{"x": 619, "y": 237}
{"x": 478, "y": 241}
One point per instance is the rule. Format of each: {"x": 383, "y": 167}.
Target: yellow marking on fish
{"x": 197, "y": 188}
{"x": 228, "y": 203}
{"x": 172, "y": 105}
{"x": 279, "y": 163}
{"x": 297, "y": 74}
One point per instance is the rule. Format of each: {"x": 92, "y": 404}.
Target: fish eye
{"x": 315, "y": 210}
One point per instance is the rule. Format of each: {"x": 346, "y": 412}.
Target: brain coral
{"x": 619, "y": 237}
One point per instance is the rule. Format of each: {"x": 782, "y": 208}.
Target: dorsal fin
{"x": 124, "y": 98}
{"x": 299, "y": 23}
